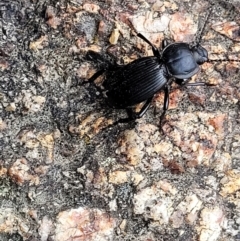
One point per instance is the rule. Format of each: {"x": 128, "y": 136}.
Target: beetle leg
{"x": 143, "y": 109}
{"x": 154, "y": 48}
{"x": 96, "y": 75}
{"x": 199, "y": 84}
{"x": 133, "y": 115}
{"x": 164, "y": 43}
{"x": 184, "y": 82}
{"x": 112, "y": 67}
{"x": 181, "y": 81}
{"x": 165, "y": 104}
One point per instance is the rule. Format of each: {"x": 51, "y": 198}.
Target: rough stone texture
{"x": 67, "y": 173}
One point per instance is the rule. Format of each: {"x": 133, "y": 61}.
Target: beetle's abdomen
{"x": 179, "y": 61}
{"x": 136, "y": 82}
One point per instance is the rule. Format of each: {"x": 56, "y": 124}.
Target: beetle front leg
{"x": 154, "y": 48}
{"x": 165, "y": 43}
{"x": 199, "y": 84}
{"x": 184, "y": 82}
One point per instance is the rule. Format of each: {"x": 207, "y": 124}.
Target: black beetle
{"x": 138, "y": 81}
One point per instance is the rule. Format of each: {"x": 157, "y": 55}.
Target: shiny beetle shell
{"x": 133, "y": 83}
{"x": 179, "y": 60}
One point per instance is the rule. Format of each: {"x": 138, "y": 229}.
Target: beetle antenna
{"x": 199, "y": 37}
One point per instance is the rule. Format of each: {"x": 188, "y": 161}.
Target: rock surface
{"x": 67, "y": 173}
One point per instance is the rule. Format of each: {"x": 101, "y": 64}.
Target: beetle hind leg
{"x": 165, "y": 106}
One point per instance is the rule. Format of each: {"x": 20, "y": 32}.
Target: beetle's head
{"x": 200, "y": 54}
